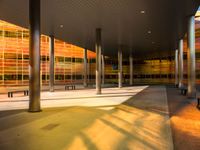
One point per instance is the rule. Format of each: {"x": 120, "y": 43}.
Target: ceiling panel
{"x": 121, "y": 21}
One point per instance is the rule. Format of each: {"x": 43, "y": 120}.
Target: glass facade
{"x": 155, "y": 71}
{"x": 14, "y": 58}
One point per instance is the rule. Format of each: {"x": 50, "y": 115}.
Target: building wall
{"x": 14, "y": 61}
{"x": 14, "y": 58}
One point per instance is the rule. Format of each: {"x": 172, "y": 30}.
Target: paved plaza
{"x": 128, "y": 118}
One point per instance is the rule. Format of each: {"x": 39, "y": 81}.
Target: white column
{"x": 98, "y": 61}
{"x": 180, "y": 63}
{"x": 51, "y": 64}
{"x": 120, "y": 67}
{"x": 131, "y": 68}
{"x": 191, "y": 58}
{"x": 85, "y": 69}
{"x": 176, "y": 68}
{"x": 103, "y": 69}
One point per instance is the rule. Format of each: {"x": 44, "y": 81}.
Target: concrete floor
{"x": 185, "y": 120}
{"x": 128, "y": 118}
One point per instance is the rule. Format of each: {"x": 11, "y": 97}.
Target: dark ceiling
{"x": 121, "y": 21}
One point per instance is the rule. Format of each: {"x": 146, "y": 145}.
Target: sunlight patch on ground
{"x": 109, "y": 98}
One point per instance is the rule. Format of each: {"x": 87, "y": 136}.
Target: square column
{"x": 103, "y": 69}
{"x": 120, "y": 67}
{"x": 34, "y": 56}
{"x": 51, "y": 63}
{"x": 98, "y": 61}
{"x": 191, "y": 58}
{"x": 85, "y": 68}
{"x": 131, "y": 68}
{"x": 176, "y": 68}
{"x": 180, "y": 67}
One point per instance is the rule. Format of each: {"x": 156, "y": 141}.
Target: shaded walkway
{"x": 129, "y": 125}
{"x": 185, "y": 120}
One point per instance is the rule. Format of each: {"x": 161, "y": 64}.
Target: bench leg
{"x": 10, "y": 94}
{"x": 198, "y": 103}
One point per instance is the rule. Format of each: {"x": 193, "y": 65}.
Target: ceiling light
{"x": 149, "y": 31}
{"x": 61, "y": 26}
{"x": 142, "y": 12}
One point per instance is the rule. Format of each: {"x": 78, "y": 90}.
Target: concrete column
{"x": 85, "y": 68}
{"x": 191, "y": 58}
{"x": 51, "y": 64}
{"x": 98, "y": 61}
{"x": 103, "y": 69}
{"x": 131, "y": 68}
{"x": 180, "y": 63}
{"x": 120, "y": 67}
{"x": 176, "y": 68}
{"x": 34, "y": 56}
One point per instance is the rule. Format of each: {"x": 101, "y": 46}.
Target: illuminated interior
{"x": 14, "y": 58}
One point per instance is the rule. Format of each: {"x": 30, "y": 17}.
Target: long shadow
{"x": 7, "y": 113}
{"x": 176, "y": 101}
{"x": 143, "y": 101}
{"x": 74, "y": 121}
{"x": 128, "y": 135}
{"x": 88, "y": 143}
{"x": 12, "y": 118}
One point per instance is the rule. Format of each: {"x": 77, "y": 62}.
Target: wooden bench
{"x": 183, "y": 90}
{"x": 10, "y": 93}
{"x": 72, "y": 86}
